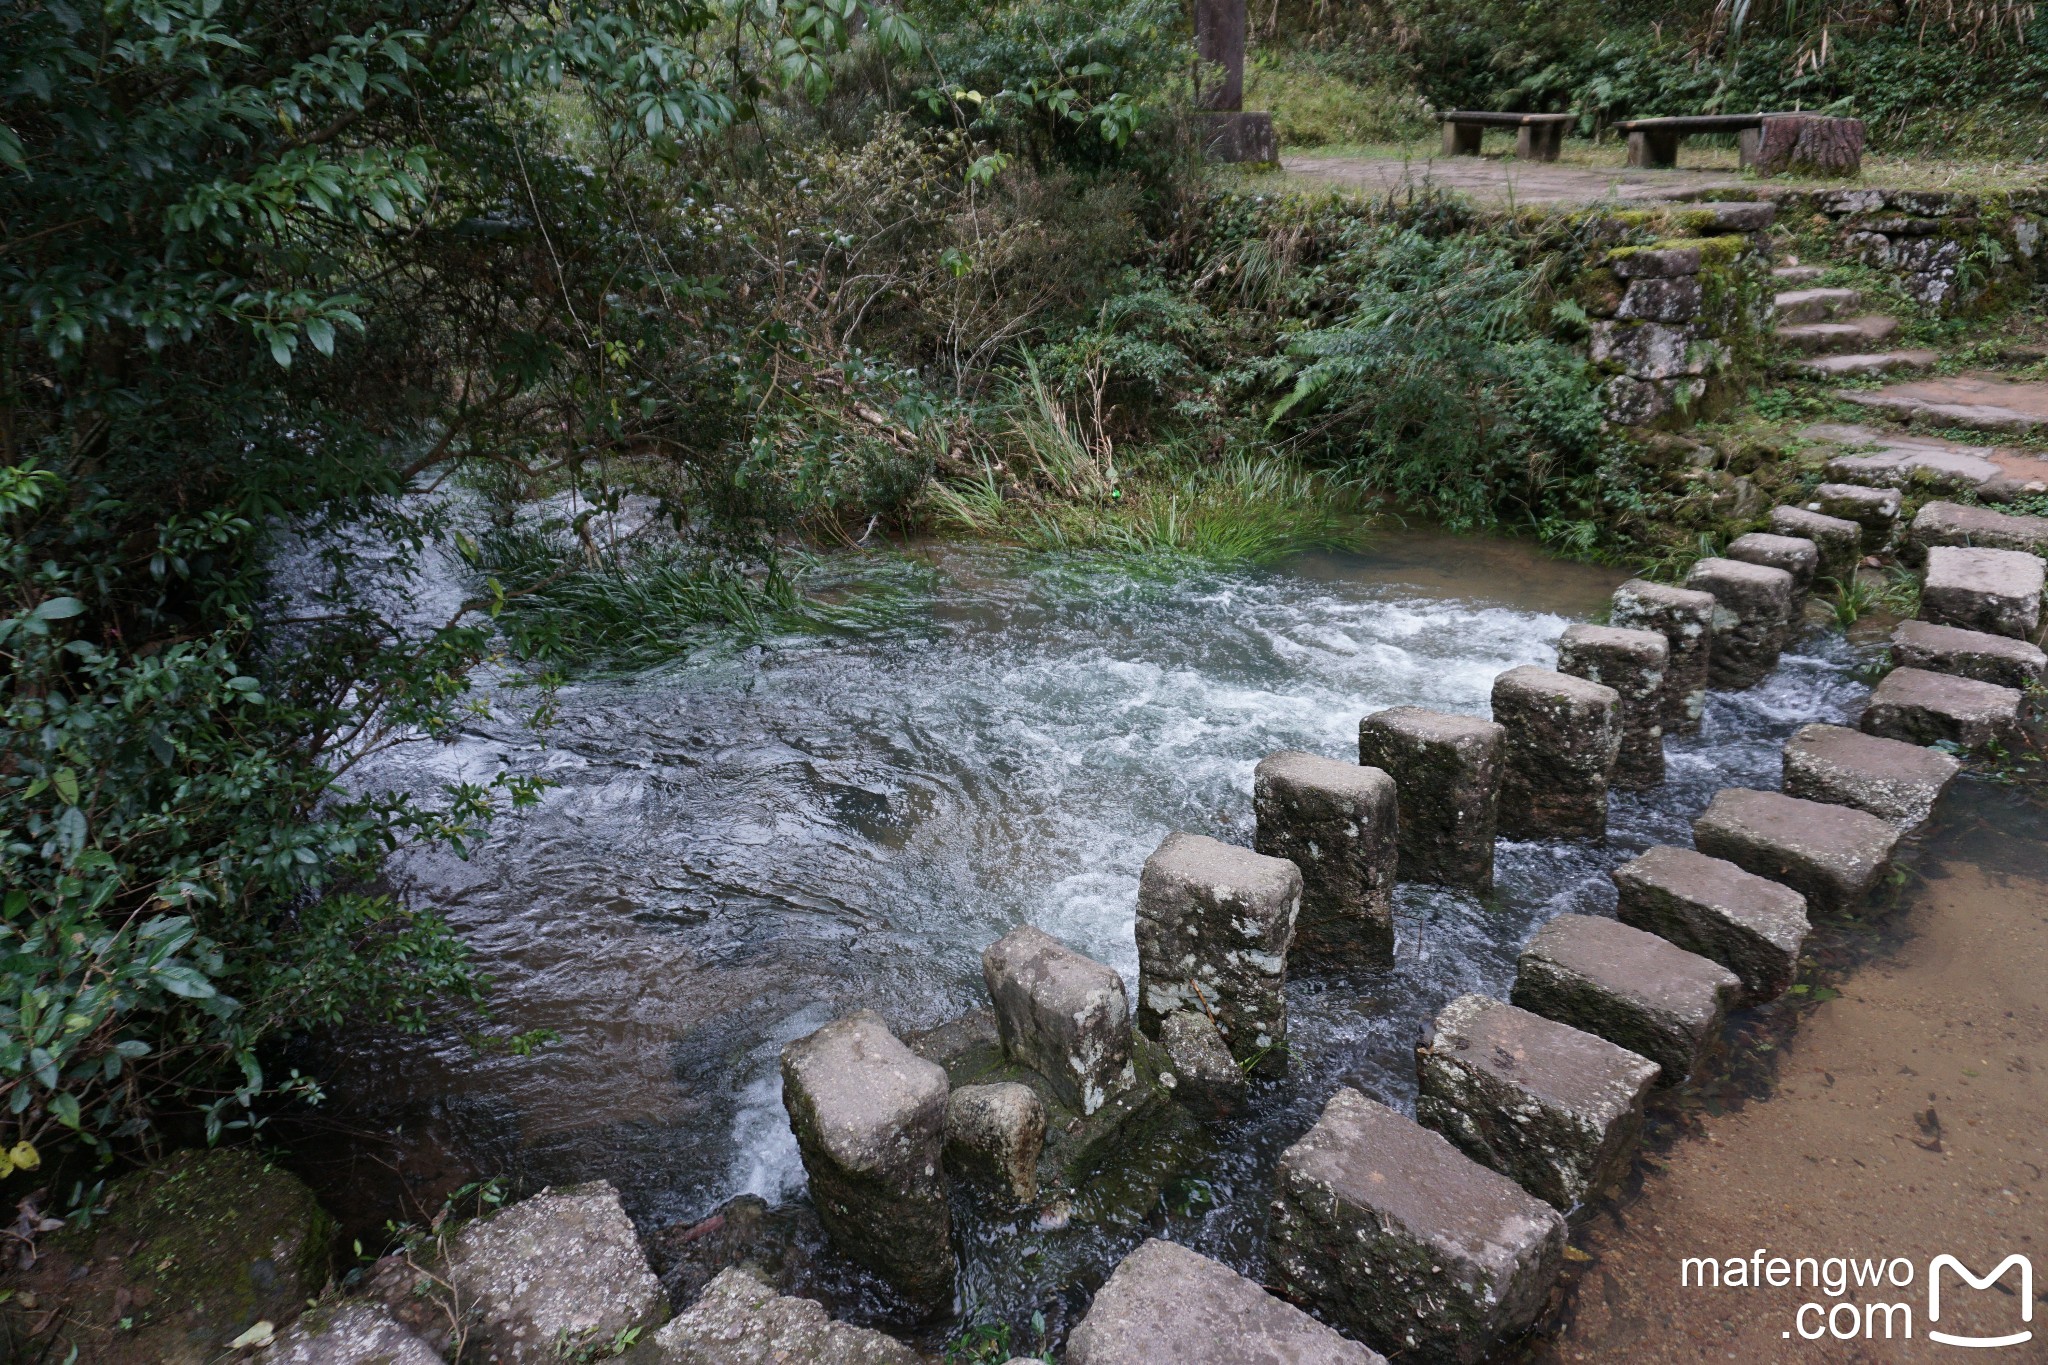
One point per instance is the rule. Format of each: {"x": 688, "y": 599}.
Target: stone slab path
{"x": 1895, "y": 458}
{"x": 1500, "y": 181}
{"x": 1979, "y": 402}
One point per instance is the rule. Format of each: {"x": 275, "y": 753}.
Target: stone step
{"x": 1751, "y": 925}
{"x": 1960, "y": 653}
{"x": 1951, "y": 523}
{"x": 1447, "y": 771}
{"x": 1832, "y": 855}
{"x": 1555, "y": 1109}
{"x": 1876, "y": 510}
{"x": 1166, "y": 1303}
{"x": 1633, "y": 988}
{"x": 1978, "y": 402}
{"x": 1901, "y": 460}
{"x": 1850, "y": 335}
{"x": 1337, "y": 822}
{"x": 1752, "y": 619}
{"x": 1561, "y": 737}
{"x": 1685, "y": 618}
{"x": 1839, "y": 540}
{"x": 1060, "y": 1014}
{"x": 1815, "y": 305}
{"x": 1891, "y": 779}
{"x": 1860, "y": 363}
{"x": 1394, "y": 1236}
{"x": 1798, "y": 274}
{"x": 1995, "y": 591}
{"x": 1919, "y": 707}
{"x": 1634, "y": 663}
{"x": 1796, "y": 555}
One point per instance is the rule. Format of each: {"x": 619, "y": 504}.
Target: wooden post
{"x": 1220, "y": 41}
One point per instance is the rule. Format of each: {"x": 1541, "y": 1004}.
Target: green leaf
{"x": 58, "y": 609}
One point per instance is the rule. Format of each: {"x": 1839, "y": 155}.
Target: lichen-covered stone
{"x": 1917, "y": 707}
{"x": 1554, "y": 1108}
{"x": 1653, "y": 350}
{"x": 1561, "y": 737}
{"x": 1652, "y": 263}
{"x": 870, "y": 1122}
{"x": 1751, "y": 925}
{"x": 1166, "y": 1305}
{"x": 994, "y": 1134}
{"x": 1399, "y": 1239}
{"x": 1995, "y": 591}
{"x": 1062, "y": 1014}
{"x": 1839, "y": 540}
{"x": 1633, "y": 663}
{"x": 1891, "y": 779}
{"x": 1949, "y": 523}
{"x": 1447, "y": 773}
{"x": 1206, "y": 1078}
{"x": 1752, "y": 618}
{"x": 1997, "y": 659}
{"x": 351, "y": 1332}
{"x": 1338, "y": 823}
{"x": 1214, "y": 925}
{"x": 1636, "y": 989}
{"x": 740, "y": 1320}
{"x": 1876, "y": 510}
{"x": 1832, "y": 855}
{"x": 1685, "y": 618}
{"x": 1796, "y": 555}
{"x": 1666, "y": 300}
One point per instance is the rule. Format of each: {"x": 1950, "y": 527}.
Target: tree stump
{"x": 1812, "y": 144}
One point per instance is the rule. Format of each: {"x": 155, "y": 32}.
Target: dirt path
{"x": 1910, "y": 1120}
{"x": 1497, "y": 181}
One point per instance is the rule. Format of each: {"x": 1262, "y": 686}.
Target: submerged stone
{"x": 994, "y": 1134}
{"x": 1206, "y": 1078}
{"x": 1635, "y": 989}
{"x": 1401, "y": 1240}
{"x": 1995, "y": 591}
{"x": 1062, "y": 1014}
{"x": 1752, "y": 618}
{"x": 1337, "y": 822}
{"x": 1918, "y": 707}
{"x": 1751, "y": 925}
{"x": 1832, "y": 855}
{"x": 1447, "y": 773}
{"x": 870, "y": 1122}
{"x": 1997, "y": 659}
{"x": 740, "y": 1320}
{"x": 1685, "y": 618}
{"x": 1166, "y": 1305}
{"x": 1214, "y": 925}
{"x": 1561, "y": 735}
{"x": 1895, "y": 781}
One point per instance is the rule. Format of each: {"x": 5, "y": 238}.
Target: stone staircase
{"x": 1836, "y": 337}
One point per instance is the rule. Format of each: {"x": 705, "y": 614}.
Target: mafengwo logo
{"x": 2026, "y": 1299}
{"x": 1849, "y": 1317}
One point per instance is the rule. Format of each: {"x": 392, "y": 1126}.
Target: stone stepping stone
{"x": 1751, "y": 925}
{"x": 1839, "y": 540}
{"x": 994, "y": 1134}
{"x": 1166, "y": 1303}
{"x": 1901, "y": 459}
{"x": 1876, "y": 510}
{"x": 1815, "y": 305}
{"x": 1979, "y": 402}
{"x": 1995, "y": 591}
{"x": 1891, "y": 779}
{"x": 1338, "y": 823}
{"x": 1447, "y": 771}
{"x": 1851, "y": 334}
{"x": 1952, "y": 523}
{"x": 1562, "y": 734}
{"x": 1998, "y": 659}
{"x": 357, "y": 1330}
{"x": 1918, "y": 707}
{"x": 1205, "y": 1077}
{"x": 1752, "y": 619}
{"x": 1797, "y": 274}
{"x": 740, "y": 1319}
{"x": 1685, "y": 618}
{"x": 1832, "y": 855}
{"x": 1635, "y": 989}
{"x": 870, "y": 1122}
{"x": 1858, "y": 364}
{"x": 1214, "y": 925}
{"x": 1062, "y": 1014}
{"x": 1796, "y": 555}
{"x": 1554, "y": 1108}
{"x": 1401, "y": 1240}
{"x": 1633, "y": 663}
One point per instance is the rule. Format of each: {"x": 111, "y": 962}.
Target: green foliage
{"x": 1313, "y": 107}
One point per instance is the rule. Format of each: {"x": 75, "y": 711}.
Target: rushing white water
{"x": 740, "y": 849}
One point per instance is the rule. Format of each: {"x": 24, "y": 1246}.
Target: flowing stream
{"x": 739, "y": 848}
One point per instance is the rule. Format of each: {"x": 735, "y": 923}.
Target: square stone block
{"x": 1554, "y": 1108}
{"x": 1214, "y": 925}
{"x": 1633, "y": 663}
{"x": 1918, "y": 707}
{"x": 1399, "y": 1239}
{"x": 1635, "y": 989}
{"x": 1206, "y": 1078}
{"x": 994, "y": 1134}
{"x": 1995, "y": 591}
{"x": 1891, "y": 779}
{"x": 1752, "y": 618}
{"x": 1796, "y": 555}
{"x": 870, "y": 1122}
{"x": 1338, "y": 823}
{"x": 1447, "y": 774}
{"x": 1950, "y": 523}
{"x": 1167, "y": 1304}
{"x": 1876, "y": 510}
{"x": 1562, "y": 737}
{"x": 1751, "y": 925}
{"x": 1062, "y": 1014}
{"x": 1997, "y": 659}
{"x": 1832, "y": 855}
{"x": 1839, "y": 540}
{"x": 1685, "y": 618}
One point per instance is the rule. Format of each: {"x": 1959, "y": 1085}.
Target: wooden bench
{"x": 1653, "y": 142}
{"x": 1537, "y": 136}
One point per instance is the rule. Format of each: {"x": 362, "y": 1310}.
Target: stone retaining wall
{"x": 1953, "y": 252}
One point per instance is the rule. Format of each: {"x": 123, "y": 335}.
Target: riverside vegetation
{"x": 777, "y": 279}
